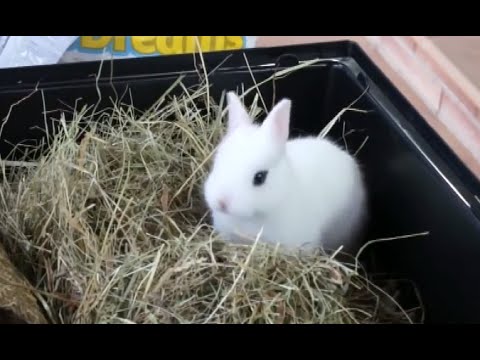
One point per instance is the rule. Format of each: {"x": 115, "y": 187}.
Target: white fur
{"x": 314, "y": 193}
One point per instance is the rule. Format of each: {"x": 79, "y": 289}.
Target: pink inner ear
{"x": 237, "y": 114}
{"x": 278, "y": 121}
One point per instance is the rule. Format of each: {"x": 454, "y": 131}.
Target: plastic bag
{"x": 18, "y": 51}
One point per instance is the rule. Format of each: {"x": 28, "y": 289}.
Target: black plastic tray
{"x": 416, "y": 183}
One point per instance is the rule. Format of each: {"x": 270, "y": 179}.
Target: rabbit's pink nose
{"x": 222, "y": 205}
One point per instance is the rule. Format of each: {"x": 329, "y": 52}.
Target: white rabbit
{"x": 300, "y": 192}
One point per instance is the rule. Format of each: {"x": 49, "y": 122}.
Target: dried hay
{"x": 17, "y": 303}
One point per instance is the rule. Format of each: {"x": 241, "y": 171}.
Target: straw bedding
{"x": 111, "y": 227}
{"x": 18, "y": 305}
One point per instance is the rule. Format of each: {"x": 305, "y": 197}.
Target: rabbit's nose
{"x": 222, "y": 205}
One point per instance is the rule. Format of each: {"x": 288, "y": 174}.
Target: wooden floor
{"x": 464, "y": 52}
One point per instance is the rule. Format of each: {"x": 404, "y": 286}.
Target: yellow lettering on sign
{"x": 95, "y": 42}
{"x": 169, "y": 45}
{"x": 219, "y": 43}
{"x": 205, "y": 43}
{"x": 164, "y": 45}
{"x": 233, "y": 42}
{"x": 211, "y": 43}
{"x": 119, "y": 43}
{"x": 189, "y": 44}
{"x": 144, "y": 44}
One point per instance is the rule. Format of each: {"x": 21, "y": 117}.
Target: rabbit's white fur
{"x": 313, "y": 194}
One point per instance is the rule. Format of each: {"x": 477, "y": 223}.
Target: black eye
{"x": 260, "y": 177}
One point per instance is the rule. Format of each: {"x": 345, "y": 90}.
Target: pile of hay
{"x": 111, "y": 227}
{"x": 18, "y": 305}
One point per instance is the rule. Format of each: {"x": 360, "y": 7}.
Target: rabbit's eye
{"x": 260, "y": 177}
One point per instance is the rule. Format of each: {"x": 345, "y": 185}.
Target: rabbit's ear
{"x": 277, "y": 123}
{"x": 237, "y": 114}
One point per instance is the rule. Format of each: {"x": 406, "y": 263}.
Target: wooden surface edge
{"x": 451, "y": 75}
{"x": 454, "y": 141}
